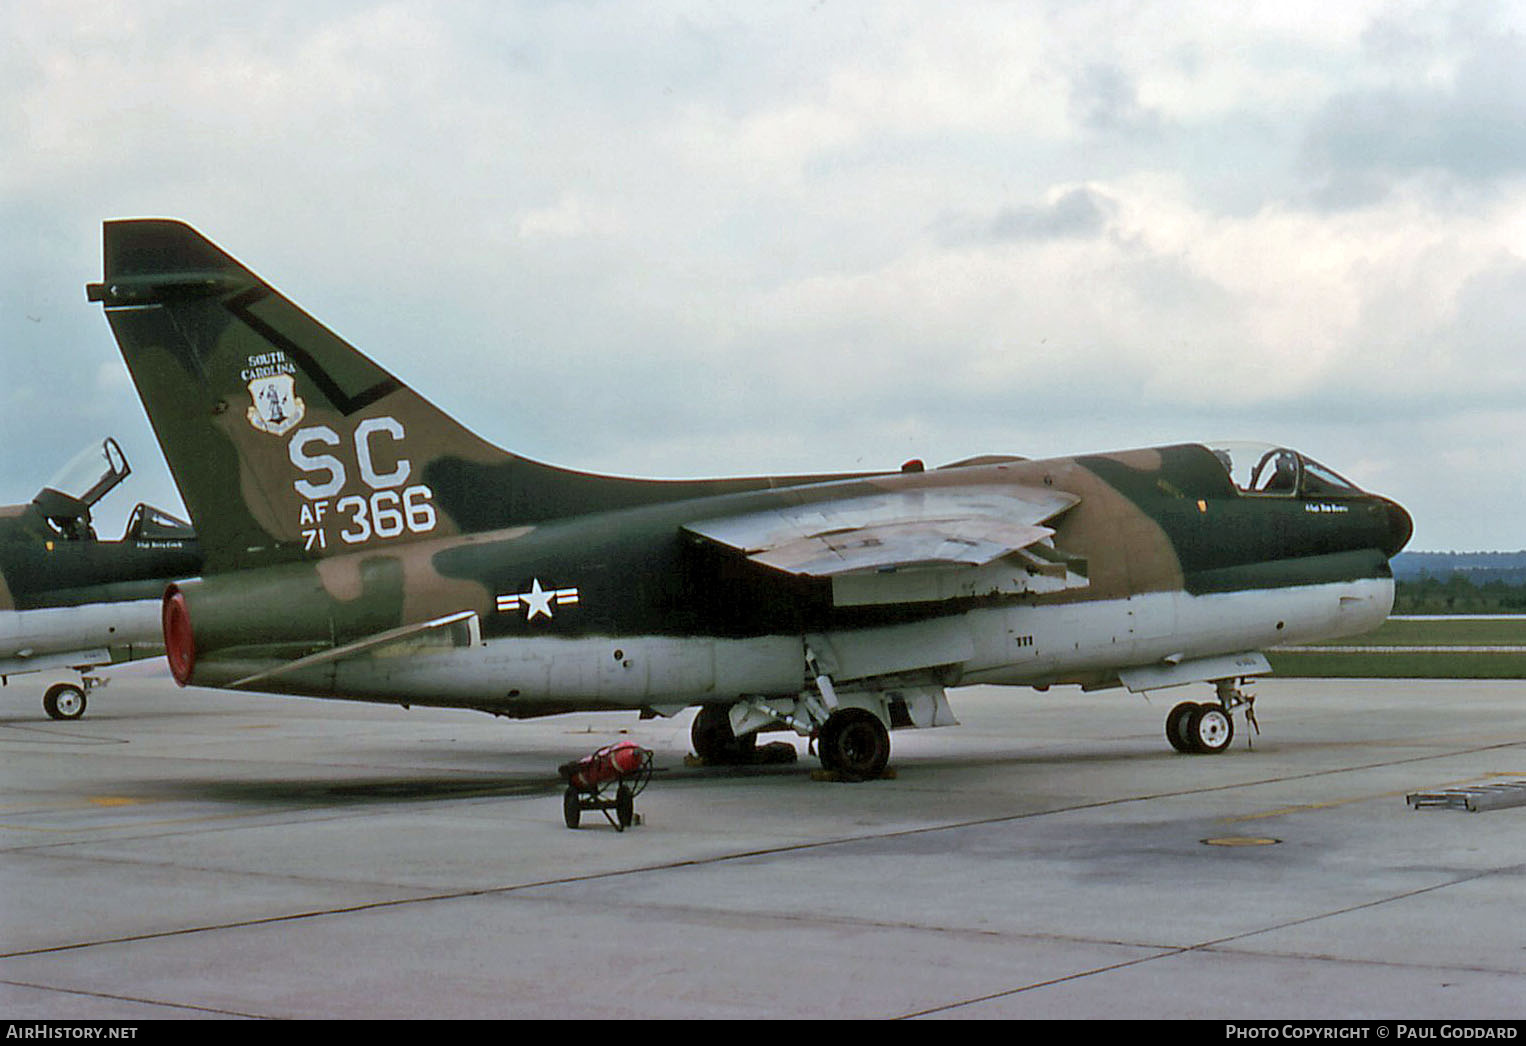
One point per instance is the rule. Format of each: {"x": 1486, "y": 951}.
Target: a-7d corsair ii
{"x": 70, "y": 602}
{"x": 361, "y": 544}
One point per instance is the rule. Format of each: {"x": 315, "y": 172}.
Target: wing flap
{"x": 903, "y": 545}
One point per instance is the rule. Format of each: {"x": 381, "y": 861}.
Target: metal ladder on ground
{"x": 1471, "y": 798}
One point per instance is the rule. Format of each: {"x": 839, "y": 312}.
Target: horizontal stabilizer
{"x": 460, "y": 629}
{"x": 878, "y": 533}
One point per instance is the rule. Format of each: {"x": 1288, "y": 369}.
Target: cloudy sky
{"x": 685, "y": 238}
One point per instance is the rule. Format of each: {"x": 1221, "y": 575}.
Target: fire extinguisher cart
{"x": 623, "y": 768}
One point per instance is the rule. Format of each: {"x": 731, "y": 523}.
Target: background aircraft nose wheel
{"x": 854, "y": 743}
{"x": 64, "y": 701}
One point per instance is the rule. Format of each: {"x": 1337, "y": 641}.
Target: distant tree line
{"x": 1459, "y": 593}
{"x": 1509, "y": 567}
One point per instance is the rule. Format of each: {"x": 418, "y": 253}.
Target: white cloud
{"x": 570, "y": 216}
{"x": 699, "y": 238}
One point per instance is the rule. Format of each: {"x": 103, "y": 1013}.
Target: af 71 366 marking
{"x": 386, "y": 512}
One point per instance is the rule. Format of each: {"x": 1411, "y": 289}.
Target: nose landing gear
{"x": 1209, "y": 728}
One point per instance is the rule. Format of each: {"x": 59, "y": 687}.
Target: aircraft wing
{"x": 929, "y": 531}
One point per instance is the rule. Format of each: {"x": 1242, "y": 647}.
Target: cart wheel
{"x": 625, "y": 806}
{"x": 572, "y": 808}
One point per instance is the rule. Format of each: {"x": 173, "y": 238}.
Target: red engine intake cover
{"x": 179, "y": 643}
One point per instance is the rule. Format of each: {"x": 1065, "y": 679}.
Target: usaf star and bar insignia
{"x": 538, "y": 601}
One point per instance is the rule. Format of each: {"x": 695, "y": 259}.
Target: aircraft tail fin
{"x": 285, "y": 441}
{"x": 288, "y": 443}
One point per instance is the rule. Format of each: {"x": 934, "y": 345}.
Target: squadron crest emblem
{"x": 277, "y": 407}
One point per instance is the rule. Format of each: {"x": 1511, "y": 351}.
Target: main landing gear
{"x": 1208, "y": 728}
{"x": 854, "y": 743}
{"x": 851, "y": 742}
{"x": 715, "y": 743}
{"x": 848, "y": 731}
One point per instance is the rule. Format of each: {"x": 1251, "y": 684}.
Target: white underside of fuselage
{"x": 1009, "y": 645}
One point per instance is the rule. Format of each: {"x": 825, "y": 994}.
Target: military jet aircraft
{"x": 70, "y": 602}
{"x": 362, "y": 544}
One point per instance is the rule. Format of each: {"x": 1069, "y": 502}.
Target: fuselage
{"x": 1162, "y": 559}
{"x": 362, "y": 543}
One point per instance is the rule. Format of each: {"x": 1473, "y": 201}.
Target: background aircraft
{"x": 361, "y": 544}
{"x": 70, "y": 602}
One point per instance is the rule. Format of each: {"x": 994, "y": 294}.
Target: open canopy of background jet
{"x": 67, "y": 498}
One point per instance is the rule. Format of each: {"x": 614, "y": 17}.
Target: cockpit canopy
{"x": 70, "y": 495}
{"x": 1260, "y": 468}
{"x": 152, "y": 524}
{"x": 66, "y": 500}
{"x": 92, "y": 473}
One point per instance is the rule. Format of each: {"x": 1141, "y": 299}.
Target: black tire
{"x": 64, "y": 701}
{"x": 854, "y": 743}
{"x": 713, "y": 740}
{"x": 572, "y": 808}
{"x": 625, "y": 807}
{"x": 1176, "y": 726}
{"x": 1210, "y": 729}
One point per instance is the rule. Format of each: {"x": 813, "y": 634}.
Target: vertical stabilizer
{"x": 286, "y": 442}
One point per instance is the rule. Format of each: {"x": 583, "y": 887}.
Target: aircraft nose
{"x": 1400, "y": 527}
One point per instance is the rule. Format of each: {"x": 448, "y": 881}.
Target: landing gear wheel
{"x": 713, "y": 740}
{"x": 572, "y": 808}
{"x": 854, "y": 743}
{"x": 64, "y": 701}
{"x": 1176, "y": 726}
{"x": 1209, "y": 729}
{"x": 625, "y": 807}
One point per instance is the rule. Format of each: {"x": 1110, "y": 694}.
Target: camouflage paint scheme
{"x": 360, "y": 543}
{"x": 70, "y": 602}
